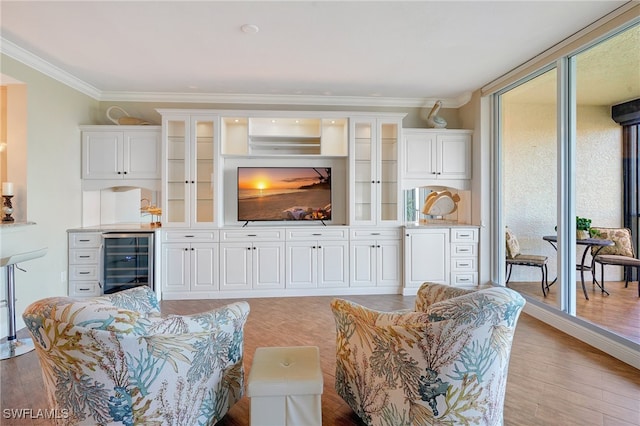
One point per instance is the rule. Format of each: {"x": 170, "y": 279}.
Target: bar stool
{"x": 13, "y": 346}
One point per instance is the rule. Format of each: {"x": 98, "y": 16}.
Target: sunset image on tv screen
{"x": 284, "y": 193}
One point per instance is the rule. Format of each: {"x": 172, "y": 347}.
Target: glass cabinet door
{"x": 388, "y": 204}
{"x": 363, "y": 175}
{"x": 375, "y": 172}
{"x": 175, "y": 206}
{"x": 202, "y": 171}
{"x": 189, "y": 170}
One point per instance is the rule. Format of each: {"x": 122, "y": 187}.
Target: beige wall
{"x": 530, "y": 176}
{"x": 49, "y": 183}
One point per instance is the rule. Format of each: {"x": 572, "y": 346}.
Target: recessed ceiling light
{"x": 249, "y": 29}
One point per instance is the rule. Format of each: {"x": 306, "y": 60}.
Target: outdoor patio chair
{"x": 621, "y": 253}
{"x": 516, "y": 258}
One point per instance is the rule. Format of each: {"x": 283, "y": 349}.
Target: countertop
{"x": 436, "y": 223}
{"x": 118, "y": 227}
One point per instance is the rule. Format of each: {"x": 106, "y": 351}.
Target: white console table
{"x": 14, "y": 346}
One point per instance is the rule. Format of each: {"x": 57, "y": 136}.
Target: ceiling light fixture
{"x": 249, "y": 29}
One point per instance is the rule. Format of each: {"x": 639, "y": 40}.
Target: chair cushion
{"x": 621, "y": 237}
{"x": 528, "y": 259}
{"x": 611, "y": 259}
{"x": 513, "y": 247}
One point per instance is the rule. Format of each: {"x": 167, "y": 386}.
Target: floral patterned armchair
{"x": 444, "y": 363}
{"x": 114, "y": 360}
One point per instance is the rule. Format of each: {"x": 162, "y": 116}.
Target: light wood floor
{"x": 554, "y": 379}
{"x": 618, "y": 312}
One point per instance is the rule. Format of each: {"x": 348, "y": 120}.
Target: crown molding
{"x": 19, "y": 54}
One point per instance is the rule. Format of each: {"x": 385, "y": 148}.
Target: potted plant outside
{"x": 583, "y": 227}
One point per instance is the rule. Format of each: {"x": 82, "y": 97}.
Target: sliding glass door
{"x": 561, "y": 155}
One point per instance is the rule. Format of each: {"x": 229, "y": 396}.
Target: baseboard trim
{"x": 610, "y": 343}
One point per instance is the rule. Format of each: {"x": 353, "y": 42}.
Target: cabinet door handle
{"x": 375, "y": 233}
{"x": 318, "y": 234}
{"x": 252, "y": 235}
{"x": 464, "y": 235}
{"x": 84, "y": 241}
{"x": 84, "y": 289}
{"x": 83, "y": 273}
{"x": 84, "y": 257}
{"x": 189, "y": 236}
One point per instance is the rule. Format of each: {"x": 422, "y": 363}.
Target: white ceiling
{"x": 325, "y": 52}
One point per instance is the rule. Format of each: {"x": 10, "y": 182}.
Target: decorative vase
{"x": 582, "y": 234}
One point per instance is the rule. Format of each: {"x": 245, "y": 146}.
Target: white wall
{"x": 52, "y": 186}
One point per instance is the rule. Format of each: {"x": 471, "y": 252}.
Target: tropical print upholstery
{"x": 114, "y": 360}
{"x": 443, "y": 364}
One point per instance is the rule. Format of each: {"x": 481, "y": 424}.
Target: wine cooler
{"x": 127, "y": 261}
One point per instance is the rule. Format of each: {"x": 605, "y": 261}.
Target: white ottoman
{"x": 285, "y": 387}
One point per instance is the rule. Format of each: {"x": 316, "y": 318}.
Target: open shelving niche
{"x": 284, "y": 141}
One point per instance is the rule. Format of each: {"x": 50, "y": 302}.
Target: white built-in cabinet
{"x": 121, "y": 152}
{"x": 376, "y": 257}
{"x": 189, "y": 159}
{"x": 84, "y": 263}
{"x": 446, "y": 255}
{"x": 317, "y": 258}
{"x": 374, "y": 176}
{"x": 436, "y": 157}
{"x": 252, "y": 259}
{"x": 189, "y": 263}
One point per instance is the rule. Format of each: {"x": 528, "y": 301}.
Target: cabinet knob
{"x": 125, "y": 173}
{"x": 193, "y": 181}
{"x": 186, "y": 249}
{"x": 119, "y": 173}
{"x": 186, "y": 181}
{"x": 319, "y": 247}
{"x": 373, "y": 246}
{"x": 373, "y": 181}
{"x": 378, "y": 182}
{"x": 192, "y": 249}
{"x": 378, "y": 246}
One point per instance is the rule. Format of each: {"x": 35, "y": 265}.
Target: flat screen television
{"x": 284, "y": 194}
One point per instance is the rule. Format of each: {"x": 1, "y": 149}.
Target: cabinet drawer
{"x": 191, "y": 236}
{"x": 464, "y": 264}
{"x": 83, "y": 256}
{"x": 467, "y": 250}
{"x": 83, "y": 272}
{"x": 464, "y": 235}
{"x": 85, "y": 240}
{"x": 89, "y": 288}
{"x": 464, "y": 278}
{"x": 253, "y": 235}
{"x": 317, "y": 234}
{"x": 376, "y": 234}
